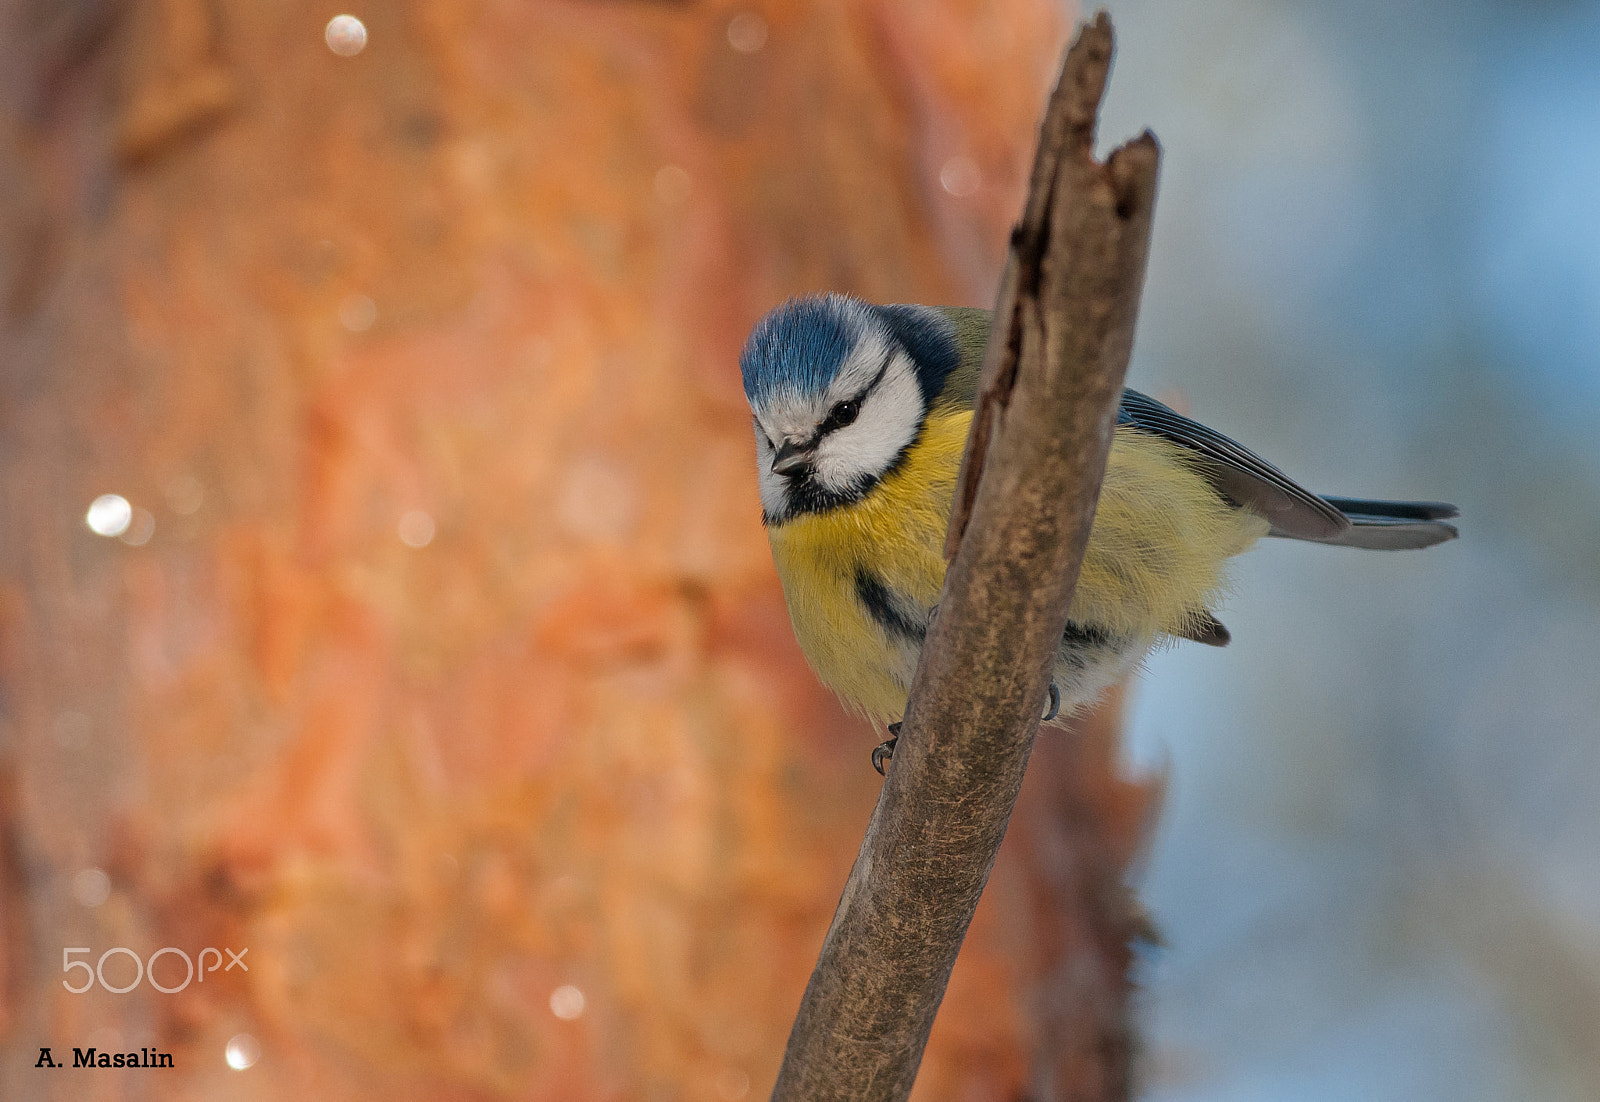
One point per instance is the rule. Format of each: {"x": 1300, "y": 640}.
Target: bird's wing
{"x": 1237, "y": 473}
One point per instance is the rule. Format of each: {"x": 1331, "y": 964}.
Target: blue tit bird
{"x": 861, "y": 415}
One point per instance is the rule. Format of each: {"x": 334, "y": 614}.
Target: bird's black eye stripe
{"x": 848, "y": 410}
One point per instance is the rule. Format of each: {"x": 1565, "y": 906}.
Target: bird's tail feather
{"x": 1391, "y": 525}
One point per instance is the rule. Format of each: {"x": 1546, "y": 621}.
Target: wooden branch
{"x": 1058, "y": 351}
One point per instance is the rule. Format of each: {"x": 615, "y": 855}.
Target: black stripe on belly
{"x": 1079, "y": 642}
{"x": 886, "y": 608}
{"x": 1082, "y": 635}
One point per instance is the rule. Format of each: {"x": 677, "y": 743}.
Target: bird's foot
{"x": 1055, "y": 704}
{"x": 885, "y": 749}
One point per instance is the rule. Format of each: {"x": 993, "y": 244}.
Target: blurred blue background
{"x": 1377, "y": 262}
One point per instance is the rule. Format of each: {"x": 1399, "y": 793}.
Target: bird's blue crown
{"x": 801, "y": 345}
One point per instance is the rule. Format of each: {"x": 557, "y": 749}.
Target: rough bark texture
{"x": 1057, "y": 356}
{"x": 570, "y": 741}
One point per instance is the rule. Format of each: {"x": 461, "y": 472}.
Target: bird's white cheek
{"x": 774, "y": 496}
{"x": 888, "y": 422}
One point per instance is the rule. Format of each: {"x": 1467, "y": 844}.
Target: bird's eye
{"x": 841, "y": 415}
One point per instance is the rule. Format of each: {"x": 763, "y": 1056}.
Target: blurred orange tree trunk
{"x": 442, "y": 664}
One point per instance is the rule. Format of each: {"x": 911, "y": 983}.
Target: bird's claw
{"x": 885, "y": 749}
{"x": 1055, "y": 704}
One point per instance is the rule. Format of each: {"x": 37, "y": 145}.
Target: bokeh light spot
{"x": 747, "y": 32}
{"x": 960, "y": 176}
{"x": 91, "y": 887}
{"x": 567, "y": 1002}
{"x": 345, "y": 35}
{"x": 109, "y": 515}
{"x": 597, "y": 501}
{"x": 357, "y": 313}
{"x": 416, "y": 529}
{"x": 243, "y": 1051}
{"x": 141, "y": 526}
{"x": 672, "y": 185}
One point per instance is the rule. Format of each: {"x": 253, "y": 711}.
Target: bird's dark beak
{"x": 792, "y": 458}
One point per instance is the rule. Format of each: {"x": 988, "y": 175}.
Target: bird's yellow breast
{"x": 1154, "y": 561}
{"x": 896, "y": 534}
